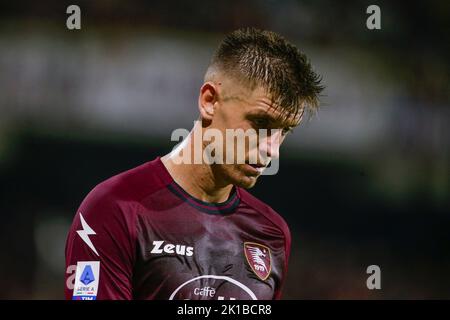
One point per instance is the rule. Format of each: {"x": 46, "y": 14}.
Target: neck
{"x": 199, "y": 180}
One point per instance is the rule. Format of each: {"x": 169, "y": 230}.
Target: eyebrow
{"x": 263, "y": 114}
{"x": 272, "y": 119}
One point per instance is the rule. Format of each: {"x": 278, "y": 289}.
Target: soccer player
{"x": 171, "y": 229}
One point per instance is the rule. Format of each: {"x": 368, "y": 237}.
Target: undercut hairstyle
{"x": 263, "y": 58}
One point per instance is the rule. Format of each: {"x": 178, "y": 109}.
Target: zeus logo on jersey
{"x": 86, "y": 280}
{"x": 183, "y": 250}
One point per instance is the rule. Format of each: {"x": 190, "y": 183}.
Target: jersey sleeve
{"x": 100, "y": 249}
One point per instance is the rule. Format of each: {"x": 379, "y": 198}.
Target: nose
{"x": 270, "y": 146}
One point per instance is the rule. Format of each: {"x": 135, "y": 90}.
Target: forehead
{"x": 258, "y": 102}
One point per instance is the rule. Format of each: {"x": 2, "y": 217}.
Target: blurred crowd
{"x": 363, "y": 182}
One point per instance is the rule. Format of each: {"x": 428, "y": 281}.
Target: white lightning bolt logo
{"x": 85, "y": 232}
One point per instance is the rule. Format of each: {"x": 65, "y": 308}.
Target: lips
{"x": 256, "y": 168}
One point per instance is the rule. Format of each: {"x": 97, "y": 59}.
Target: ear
{"x": 207, "y": 99}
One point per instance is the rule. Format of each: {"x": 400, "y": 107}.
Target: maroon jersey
{"x": 139, "y": 235}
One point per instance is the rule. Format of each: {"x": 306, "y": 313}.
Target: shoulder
{"x": 133, "y": 184}
{"x": 121, "y": 193}
{"x": 110, "y": 209}
{"x": 129, "y": 186}
{"x": 266, "y": 211}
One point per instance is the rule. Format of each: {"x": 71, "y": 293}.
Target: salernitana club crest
{"x": 259, "y": 259}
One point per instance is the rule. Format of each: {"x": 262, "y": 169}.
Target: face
{"x": 236, "y": 108}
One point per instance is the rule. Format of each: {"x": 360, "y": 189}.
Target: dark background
{"x": 366, "y": 181}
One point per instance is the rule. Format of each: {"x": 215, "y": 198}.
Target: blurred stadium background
{"x": 364, "y": 182}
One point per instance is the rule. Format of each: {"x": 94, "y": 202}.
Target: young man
{"x": 177, "y": 229}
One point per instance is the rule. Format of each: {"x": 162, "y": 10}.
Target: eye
{"x": 261, "y": 122}
{"x": 287, "y": 130}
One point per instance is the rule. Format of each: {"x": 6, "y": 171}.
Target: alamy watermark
{"x": 73, "y": 21}
{"x": 373, "y": 22}
{"x": 236, "y": 146}
{"x": 374, "y": 280}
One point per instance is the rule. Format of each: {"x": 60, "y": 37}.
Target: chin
{"x": 245, "y": 181}
{"x": 247, "y": 185}
{"x": 236, "y": 176}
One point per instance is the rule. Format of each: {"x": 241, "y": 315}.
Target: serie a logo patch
{"x": 259, "y": 259}
{"x": 86, "y": 280}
